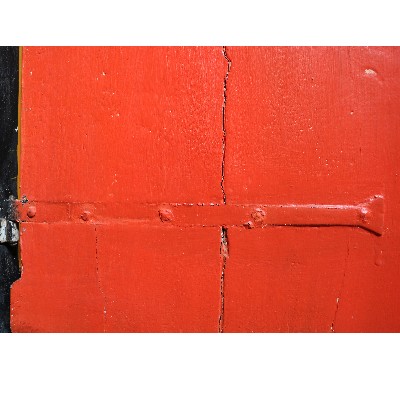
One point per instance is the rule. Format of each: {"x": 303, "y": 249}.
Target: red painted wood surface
{"x": 313, "y": 125}
{"x": 205, "y": 190}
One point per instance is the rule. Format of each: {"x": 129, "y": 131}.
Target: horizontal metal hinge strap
{"x": 368, "y": 215}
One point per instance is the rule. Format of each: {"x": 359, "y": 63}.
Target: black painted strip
{"x": 9, "y": 85}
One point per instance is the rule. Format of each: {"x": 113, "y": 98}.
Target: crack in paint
{"x": 99, "y": 282}
{"x": 224, "y": 124}
{"x": 224, "y": 249}
{"x": 224, "y": 252}
{"x": 341, "y": 286}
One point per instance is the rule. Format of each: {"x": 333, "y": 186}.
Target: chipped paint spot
{"x": 370, "y": 72}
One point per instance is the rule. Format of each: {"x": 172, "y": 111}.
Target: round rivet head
{"x": 31, "y": 211}
{"x": 85, "y": 215}
{"x": 249, "y": 225}
{"x": 166, "y": 215}
{"x": 363, "y": 213}
{"x": 258, "y": 215}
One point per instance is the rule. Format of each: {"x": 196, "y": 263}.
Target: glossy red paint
{"x": 313, "y": 126}
{"x": 204, "y": 190}
{"x": 59, "y": 292}
{"x": 116, "y": 129}
{"x": 119, "y": 124}
{"x": 368, "y": 214}
{"x": 172, "y": 284}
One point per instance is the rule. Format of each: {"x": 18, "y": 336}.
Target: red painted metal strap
{"x": 367, "y": 215}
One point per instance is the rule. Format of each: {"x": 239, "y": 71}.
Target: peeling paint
{"x": 9, "y": 235}
{"x": 224, "y": 252}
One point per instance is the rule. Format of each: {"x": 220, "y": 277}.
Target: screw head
{"x": 31, "y": 211}
{"x": 85, "y": 215}
{"x": 166, "y": 215}
{"x": 364, "y": 213}
{"x": 258, "y": 215}
{"x": 249, "y": 225}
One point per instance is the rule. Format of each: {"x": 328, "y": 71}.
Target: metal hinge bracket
{"x": 9, "y": 232}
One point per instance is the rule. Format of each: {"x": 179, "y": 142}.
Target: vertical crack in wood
{"x": 341, "y": 285}
{"x": 224, "y": 253}
{"x": 224, "y": 123}
{"x": 99, "y": 282}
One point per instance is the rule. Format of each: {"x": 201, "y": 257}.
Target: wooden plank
{"x": 313, "y": 125}
{"x": 121, "y": 127}
{"x": 130, "y": 124}
{"x": 159, "y": 279}
{"x": 275, "y": 282}
{"x": 143, "y": 168}
{"x": 58, "y": 291}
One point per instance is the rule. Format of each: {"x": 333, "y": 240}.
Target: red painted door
{"x": 209, "y": 189}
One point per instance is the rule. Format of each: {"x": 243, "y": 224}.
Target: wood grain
{"x": 148, "y": 169}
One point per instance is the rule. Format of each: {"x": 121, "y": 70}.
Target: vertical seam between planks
{"x": 224, "y": 124}
{"x": 224, "y": 253}
{"x": 101, "y": 289}
{"x": 224, "y": 231}
{"x": 342, "y": 285}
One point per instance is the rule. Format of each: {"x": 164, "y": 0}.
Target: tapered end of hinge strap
{"x": 372, "y": 213}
